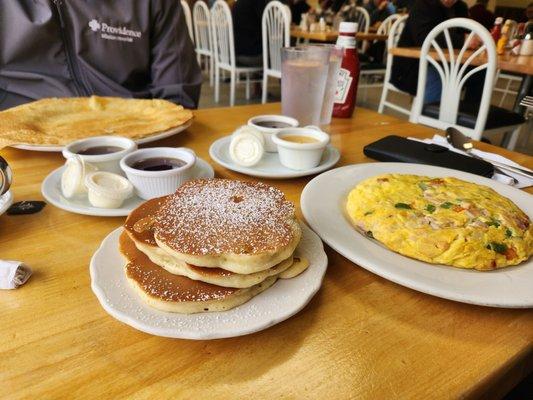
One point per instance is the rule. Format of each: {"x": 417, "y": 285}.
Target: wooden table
{"x": 360, "y": 337}
{"x": 331, "y": 36}
{"x": 507, "y": 62}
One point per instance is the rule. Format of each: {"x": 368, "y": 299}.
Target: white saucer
{"x": 153, "y": 138}
{"x": 322, "y": 203}
{"x": 5, "y": 201}
{"x": 281, "y": 301}
{"x": 51, "y": 190}
{"x": 269, "y": 166}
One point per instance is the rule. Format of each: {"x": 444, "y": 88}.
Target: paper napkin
{"x": 13, "y": 274}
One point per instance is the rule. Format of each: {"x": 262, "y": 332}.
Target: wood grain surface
{"x": 361, "y": 337}
{"x": 331, "y": 36}
{"x": 506, "y": 62}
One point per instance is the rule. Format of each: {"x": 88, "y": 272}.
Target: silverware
{"x": 527, "y": 101}
{"x": 464, "y": 143}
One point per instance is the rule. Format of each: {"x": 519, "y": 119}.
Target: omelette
{"x": 442, "y": 221}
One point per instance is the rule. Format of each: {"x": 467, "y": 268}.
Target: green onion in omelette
{"x": 497, "y": 247}
{"x": 494, "y": 222}
{"x": 403, "y": 205}
{"x": 446, "y": 205}
{"x": 430, "y": 208}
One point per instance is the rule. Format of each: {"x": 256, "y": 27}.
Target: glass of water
{"x": 304, "y": 72}
{"x": 335, "y": 61}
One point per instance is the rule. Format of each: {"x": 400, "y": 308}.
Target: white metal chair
{"x": 453, "y": 69}
{"x": 276, "y": 23}
{"x": 377, "y": 70}
{"x": 394, "y": 35}
{"x": 202, "y": 31}
{"x": 363, "y": 25}
{"x": 224, "y": 51}
{"x": 188, "y": 19}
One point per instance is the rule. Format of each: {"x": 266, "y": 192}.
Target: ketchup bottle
{"x": 496, "y": 30}
{"x": 348, "y": 77}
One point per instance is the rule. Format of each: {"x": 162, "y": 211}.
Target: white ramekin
{"x": 107, "y": 190}
{"x": 104, "y": 162}
{"x": 301, "y": 156}
{"x": 268, "y": 132}
{"x": 151, "y": 184}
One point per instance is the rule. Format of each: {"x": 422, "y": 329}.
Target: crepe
{"x": 59, "y": 121}
{"x": 442, "y": 220}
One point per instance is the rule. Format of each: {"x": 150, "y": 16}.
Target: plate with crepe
{"x": 51, "y": 191}
{"x": 172, "y": 272}
{"x": 269, "y": 166}
{"x": 51, "y": 123}
{"x": 440, "y": 231}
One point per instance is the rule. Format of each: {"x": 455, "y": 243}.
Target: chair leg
{"x": 247, "y": 86}
{"x": 211, "y": 70}
{"x": 233, "y": 83}
{"x": 505, "y": 93}
{"x": 514, "y": 138}
{"x": 383, "y": 99}
{"x": 265, "y": 88}
{"x": 217, "y": 85}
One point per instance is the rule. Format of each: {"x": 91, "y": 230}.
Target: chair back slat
{"x": 222, "y": 26}
{"x": 275, "y": 24}
{"x": 202, "y": 26}
{"x": 454, "y": 70}
{"x": 188, "y": 19}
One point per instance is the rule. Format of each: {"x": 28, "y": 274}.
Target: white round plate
{"x": 279, "y": 302}
{"x": 51, "y": 190}
{"x": 323, "y": 201}
{"x": 153, "y": 138}
{"x": 269, "y": 166}
{"x": 5, "y": 201}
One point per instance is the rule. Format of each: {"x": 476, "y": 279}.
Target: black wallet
{"x": 400, "y": 149}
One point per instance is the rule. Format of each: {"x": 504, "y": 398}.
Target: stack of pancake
{"x": 211, "y": 246}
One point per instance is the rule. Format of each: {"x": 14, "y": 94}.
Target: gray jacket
{"x": 63, "y": 48}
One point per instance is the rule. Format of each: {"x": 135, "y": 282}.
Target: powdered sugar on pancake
{"x": 218, "y": 216}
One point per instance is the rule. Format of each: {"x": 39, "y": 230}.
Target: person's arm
{"x": 176, "y": 75}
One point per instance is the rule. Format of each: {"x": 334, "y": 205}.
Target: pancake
{"x": 138, "y": 225}
{"x": 174, "y": 293}
{"x": 442, "y": 221}
{"x": 243, "y": 227}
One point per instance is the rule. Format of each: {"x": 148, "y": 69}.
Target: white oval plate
{"x": 157, "y": 136}
{"x": 51, "y": 190}
{"x": 5, "y": 201}
{"x": 322, "y": 203}
{"x": 279, "y": 302}
{"x": 269, "y": 166}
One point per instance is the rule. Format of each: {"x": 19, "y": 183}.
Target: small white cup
{"x": 104, "y": 162}
{"x": 301, "y": 156}
{"x": 107, "y": 190}
{"x": 267, "y": 132}
{"x": 151, "y": 184}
